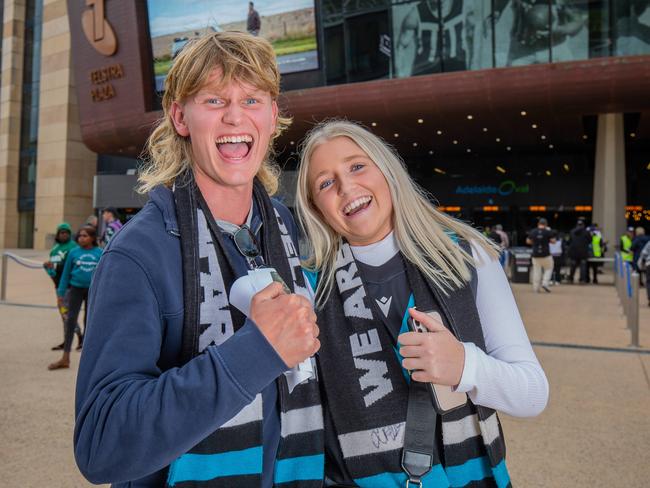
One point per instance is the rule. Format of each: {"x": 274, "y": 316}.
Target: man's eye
{"x": 324, "y": 184}
{"x": 250, "y": 101}
{"x": 214, "y": 101}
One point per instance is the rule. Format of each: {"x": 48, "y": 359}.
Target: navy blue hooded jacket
{"x": 136, "y": 409}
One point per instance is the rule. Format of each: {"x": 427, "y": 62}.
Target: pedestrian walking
{"x": 557, "y": 252}
{"x": 75, "y": 281}
{"x": 540, "y": 239}
{"x": 637, "y": 245}
{"x": 111, "y": 225}
{"x": 597, "y": 249}
{"x": 644, "y": 267}
{"x": 625, "y": 245}
{"x": 580, "y": 240}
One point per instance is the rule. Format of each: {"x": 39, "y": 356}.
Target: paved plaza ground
{"x": 595, "y": 431}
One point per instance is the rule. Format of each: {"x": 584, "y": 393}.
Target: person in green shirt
{"x": 54, "y": 268}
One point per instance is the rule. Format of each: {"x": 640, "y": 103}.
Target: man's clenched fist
{"x": 288, "y": 322}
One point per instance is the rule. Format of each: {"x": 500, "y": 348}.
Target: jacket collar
{"x": 163, "y": 198}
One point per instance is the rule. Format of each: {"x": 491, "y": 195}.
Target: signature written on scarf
{"x": 386, "y": 435}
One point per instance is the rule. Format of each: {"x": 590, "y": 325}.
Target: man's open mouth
{"x": 234, "y": 147}
{"x": 357, "y": 205}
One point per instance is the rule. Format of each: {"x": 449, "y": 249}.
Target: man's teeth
{"x": 234, "y": 139}
{"x": 356, "y": 204}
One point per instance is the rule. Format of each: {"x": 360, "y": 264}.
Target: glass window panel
{"x": 631, "y": 27}
{"x": 569, "y": 30}
{"x": 600, "y": 35}
{"x": 366, "y": 60}
{"x": 416, "y": 30}
{"x": 522, "y": 32}
{"x": 334, "y": 55}
{"x": 478, "y": 33}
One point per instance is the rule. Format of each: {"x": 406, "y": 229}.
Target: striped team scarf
{"x": 367, "y": 389}
{"x": 233, "y": 454}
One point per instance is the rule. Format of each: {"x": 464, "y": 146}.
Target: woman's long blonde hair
{"x": 421, "y": 231}
{"x": 240, "y": 57}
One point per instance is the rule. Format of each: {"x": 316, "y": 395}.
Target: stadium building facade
{"x": 505, "y": 110}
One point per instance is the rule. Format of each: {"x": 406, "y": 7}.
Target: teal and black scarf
{"x": 232, "y": 456}
{"x": 367, "y": 389}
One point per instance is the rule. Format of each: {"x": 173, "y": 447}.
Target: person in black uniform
{"x": 579, "y": 251}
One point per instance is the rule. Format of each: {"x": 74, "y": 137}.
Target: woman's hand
{"x": 436, "y": 357}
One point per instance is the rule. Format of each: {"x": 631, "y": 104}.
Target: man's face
{"x": 229, "y": 128}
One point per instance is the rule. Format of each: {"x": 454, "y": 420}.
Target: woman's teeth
{"x": 355, "y": 205}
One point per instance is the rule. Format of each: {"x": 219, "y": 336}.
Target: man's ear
{"x": 274, "y": 107}
{"x": 176, "y": 111}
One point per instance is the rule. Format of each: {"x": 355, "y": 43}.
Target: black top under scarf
{"x": 301, "y": 441}
{"x": 366, "y": 392}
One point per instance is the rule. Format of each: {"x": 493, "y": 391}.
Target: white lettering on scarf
{"x": 353, "y": 305}
{"x": 361, "y": 345}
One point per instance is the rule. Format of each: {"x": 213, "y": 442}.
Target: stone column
{"x": 65, "y": 168}
{"x": 609, "y": 178}
{"x": 10, "y": 117}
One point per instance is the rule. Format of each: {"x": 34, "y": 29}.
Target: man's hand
{"x": 288, "y": 322}
{"x": 435, "y": 357}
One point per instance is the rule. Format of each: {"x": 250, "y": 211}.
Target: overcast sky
{"x": 169, "y": 16}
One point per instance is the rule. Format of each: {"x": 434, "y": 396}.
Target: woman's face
{"x": 84, "y": 239}
{"x": 350, "y": 192}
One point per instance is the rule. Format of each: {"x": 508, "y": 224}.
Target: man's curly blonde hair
{"x": 240, "y": 57}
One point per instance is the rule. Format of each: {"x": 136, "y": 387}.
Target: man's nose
{"x": 233, "y": 114}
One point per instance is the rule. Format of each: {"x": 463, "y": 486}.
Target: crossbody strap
{"x": 419, "y": 434}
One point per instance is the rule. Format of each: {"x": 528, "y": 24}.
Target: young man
{"x": 540, "y": 238}
{"x": 195, "y": 372}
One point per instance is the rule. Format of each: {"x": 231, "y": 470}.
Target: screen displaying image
{"x": 288, "y": 24}
{"x": 632, "y": 27}
{"x": 441, "y": 35}
{"x": 530, "y": 31}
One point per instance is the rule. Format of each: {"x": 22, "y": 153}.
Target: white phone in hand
{"x": 445, "y": 399}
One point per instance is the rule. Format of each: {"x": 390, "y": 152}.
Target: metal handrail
{"x": 28, "y": 263}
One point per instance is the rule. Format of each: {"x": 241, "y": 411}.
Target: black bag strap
{"x": 419, "y": 434}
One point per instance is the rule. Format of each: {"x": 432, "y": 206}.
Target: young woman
{"x": 74, "y": 283}
{"x": 379, "y": 249}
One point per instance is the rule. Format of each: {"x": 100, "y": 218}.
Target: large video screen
{"x": 289, "y": 25}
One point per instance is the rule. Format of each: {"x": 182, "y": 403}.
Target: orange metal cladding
{"x": 491, "y": 208}
{"x": 537, "y": 208}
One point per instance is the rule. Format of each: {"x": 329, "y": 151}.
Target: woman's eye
{"x": 324, "y": 184}
{"x": 356, "y": 166}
